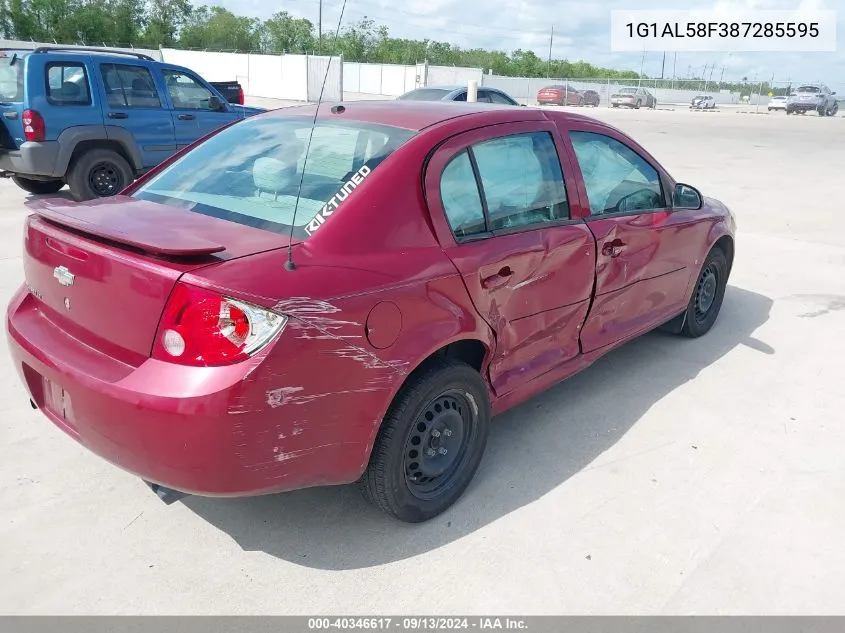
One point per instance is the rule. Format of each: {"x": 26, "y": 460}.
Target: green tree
{"x": 285, "y": 34}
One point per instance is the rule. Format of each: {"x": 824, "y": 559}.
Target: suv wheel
{"x": 430, "y": 443}
{"x": 38, "y": 187}
{"x": 822, "y": 111}
{"x": 639, "y": 103}
{"x": 98, "y": 173}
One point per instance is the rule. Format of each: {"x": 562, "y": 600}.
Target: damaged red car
{"x": 303, "y": 300}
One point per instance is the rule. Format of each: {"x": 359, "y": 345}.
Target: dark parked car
{"x": 94, "y": 119}
{"x": 591, "y": 98}
{"x": 458, "y": 93}
{"x": 560, "y": 95}
{"x": 633, "y": 98}
{"x": 216, "y": 333}
{"x": 232, "y": 91}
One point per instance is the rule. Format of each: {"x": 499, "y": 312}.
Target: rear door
{"x": 133, "y": 101}
{"x": 499, "y": 199}
{"x": 190, "y": 100}
{"x": 11, "y": 100}
{"x": 643, "y": 261}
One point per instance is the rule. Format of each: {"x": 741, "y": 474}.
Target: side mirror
{"x": 686, "y": 197}
{"x": 215, "y": 104}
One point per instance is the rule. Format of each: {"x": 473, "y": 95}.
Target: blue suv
{"x": 95, "y": 119}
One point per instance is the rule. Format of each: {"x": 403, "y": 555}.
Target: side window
{"x": 521, "y": 180}
{"x": 618, "y": 180}
{"x": 496, "y": 97}
{"x": 185, "y": 91}
{"x": 129, "y": 86}
{"x": 67, "y": 84}
{"x": 460, "y": 196}
{"x": 461, "y": 97}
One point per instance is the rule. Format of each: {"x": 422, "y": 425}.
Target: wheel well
{"x": 469, "y": 351}
{"x": 115, "y": 146}
{"x": 726, "y": 245}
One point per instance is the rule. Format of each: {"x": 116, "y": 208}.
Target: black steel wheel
{"x": 430, "y": 442}
{"x": 707, "y": 295}
{"x": 99, "y": 173}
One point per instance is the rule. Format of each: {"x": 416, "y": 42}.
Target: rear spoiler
{"x": 111, "y": 219}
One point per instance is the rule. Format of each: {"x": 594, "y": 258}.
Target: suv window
{"x": 520, "y": 184}
{"x": 618, "y": 180}
{"x": 186, "y": 92}
{"x": 67, "y": 84}
{"x": 129, "y": 86}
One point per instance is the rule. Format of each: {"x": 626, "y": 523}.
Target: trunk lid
{"x": 103, "y": 271}
{"x": 11, "y": 100}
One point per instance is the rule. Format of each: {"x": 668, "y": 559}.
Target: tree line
{"x": 179, "y": 24}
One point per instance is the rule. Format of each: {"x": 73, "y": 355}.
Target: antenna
{"x": 289, "y": 265}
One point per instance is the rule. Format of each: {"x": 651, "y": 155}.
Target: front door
{"x": 133, "y": 102}
{"x": 642, "y": 271}
{"x": 193, "y": 116}
{"x": 500, "y": 201}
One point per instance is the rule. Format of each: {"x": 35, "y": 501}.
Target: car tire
{"x": 707, "y": 295}
{"x": 639, "y": 103}
{"x": 822, "y": 111}
{"x": 98, "y": 173}
{"x": 38, "y": 187}
{"x": 403, "y": 478}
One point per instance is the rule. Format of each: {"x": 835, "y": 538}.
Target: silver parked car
{"x": 703, "y": 102}
{"x": 816, "y": 97}
{"x": 458, "y": 93}
{"x": 633, "y": 98}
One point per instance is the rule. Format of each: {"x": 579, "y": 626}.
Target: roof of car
{"x": 415, "y": 115}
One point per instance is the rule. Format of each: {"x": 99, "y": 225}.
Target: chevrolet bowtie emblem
{"x": 63, "y": 275}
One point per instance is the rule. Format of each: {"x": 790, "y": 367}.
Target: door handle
{"x": 613, "y": 248}
{"x": 186, "y": 117}
{"x": 118, "y": 115}
{"x": 498, "y": 280}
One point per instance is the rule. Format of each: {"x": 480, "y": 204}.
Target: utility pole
{"x": 663, "y": 66}
{"x": 320, "y": 28}
{"x": 642, "y": 64}
{"x": 551, "y": 39}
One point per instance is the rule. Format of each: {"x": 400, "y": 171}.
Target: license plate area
{"x": 57, "y": 401}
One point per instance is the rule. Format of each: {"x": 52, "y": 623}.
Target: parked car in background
{"x": 561, "y": 95}
{"x": 232, "y": 91}
{"x": 591, "y": 98}
{"x": 778, "y": 103}
{"x": 631, "y": 97}
{"x": 703, "y": 102}
{"x": 816, "y": 97}
{"x": 458, "y": 93}
{"x": 219, "y": 329}
{"x": 94, "y": 119}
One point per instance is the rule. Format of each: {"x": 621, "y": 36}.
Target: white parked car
{"x": 777, "y": 103}
{"x": 703, "y": 102}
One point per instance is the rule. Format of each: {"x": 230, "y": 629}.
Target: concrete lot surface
{"x": 674, "y": 476}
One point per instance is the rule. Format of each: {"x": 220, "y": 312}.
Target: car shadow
{"x": 530, "y": 452}
{"x": 63, "y": 194}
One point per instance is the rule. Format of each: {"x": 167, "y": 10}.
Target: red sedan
{"x": 560, "y": 95}
{"x": 281, "y": 307}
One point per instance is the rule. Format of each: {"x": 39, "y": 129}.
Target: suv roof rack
{"x": 84, "y": 49}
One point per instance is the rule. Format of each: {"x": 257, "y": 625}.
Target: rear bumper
{"x": 803, "y": 107}
{"x": 32, "y": 159}
{"x": 206, "y": 431}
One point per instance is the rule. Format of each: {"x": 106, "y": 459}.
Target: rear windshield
{"x": 808, "y": 89}
{"x": 250, "y": 172}
{"x": 628, "y": 91}
{"x": 426, "y": 94}
{"x": 11, "y": 79}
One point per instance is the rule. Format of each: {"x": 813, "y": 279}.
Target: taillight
{"x": 202, "y": 328}
{"x": 240, "y": 96}
{"x": 33, "y": 126}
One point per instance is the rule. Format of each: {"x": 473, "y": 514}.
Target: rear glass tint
{"x": 11, "y": 79}
{"x": 250, "y": 172}
{"x": 809, "y": 89}
{"x": 426, "y": 94}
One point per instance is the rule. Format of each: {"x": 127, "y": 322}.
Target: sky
{"x": 581, "y": 32}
